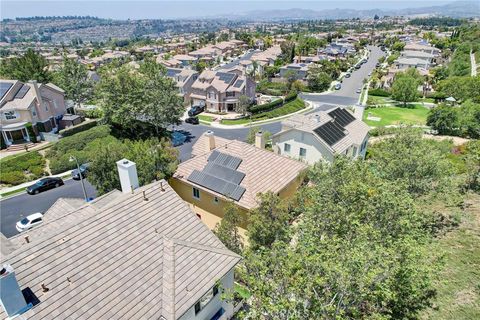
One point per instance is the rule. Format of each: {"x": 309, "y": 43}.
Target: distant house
{"x": 184, "y": 78}
{"x": 219, "y": 91}
{"x": 322, "y": 136}
{"x": 140, "y": 254}
{"x": 422, "y": 47}
{"x": 41, "y": 105}
{"x": 230, "y": 171}
{"x": 405, "y": 63}
{"x": 299, "y": 70}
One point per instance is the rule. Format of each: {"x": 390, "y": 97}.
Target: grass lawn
{"x": 375, "y": 100}
{"x": 396, "y": 115}
{"x": 235, "y": 121}
{"x": 202, "y": 117}
{"x": 458, "y": 287}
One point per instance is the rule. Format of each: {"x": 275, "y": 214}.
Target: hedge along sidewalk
{"x": 309, "y": 106}
{"x": 10, "y": 191}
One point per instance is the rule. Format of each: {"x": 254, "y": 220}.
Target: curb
{"x": 21, "y": 190}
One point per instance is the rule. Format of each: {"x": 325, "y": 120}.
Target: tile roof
{"x": 264, "y": 170}
{"x": 131, "y": 259}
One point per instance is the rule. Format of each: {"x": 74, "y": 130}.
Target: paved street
{"x": 236, "y": 61}
{"x": 15, "y": 208}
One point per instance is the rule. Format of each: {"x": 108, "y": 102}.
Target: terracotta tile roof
{"x": 264, "y": 170}
{"x": 130, "y": 259}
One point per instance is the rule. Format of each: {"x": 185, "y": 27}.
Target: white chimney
{"x": 210, "y": 140}
{"x": 127, "y": 171}
{"x": 259, "y": 140}
{"x": 11, "y": 297}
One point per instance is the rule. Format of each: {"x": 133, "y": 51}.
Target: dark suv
{"x": 44, "y": 185}
{"x": 195, "y": 110}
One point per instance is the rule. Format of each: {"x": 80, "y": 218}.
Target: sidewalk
{"x": 29, "y": 183}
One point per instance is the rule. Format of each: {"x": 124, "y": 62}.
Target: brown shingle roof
{"x": 131, "y": 259}
{"x": 264, "y": 170}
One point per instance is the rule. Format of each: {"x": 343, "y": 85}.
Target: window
{"x": 215, "y": 199}
{"x": 354, "y": 151}
{"x": 230, "y": 94}
{"x": 10, "y": 115}
{"x": 34, "y": 113}
{"x": 303, "y": 152}
{"x": 286, "y": 147}
{"x": 36, "y": 220}
{"x": 207, "y": 297}
{"x": 196, "y": 193}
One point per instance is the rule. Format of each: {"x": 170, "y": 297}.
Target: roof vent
{"x": 11, "y": 297}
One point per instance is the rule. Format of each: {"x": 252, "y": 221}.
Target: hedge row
{"x": 290, "y": 107}
{"x": 78, "y": 128}
{"x": 19, "y": 169}
{"x": 291, "y": 96}
{"x": 378, "y": 92}
{"x": 266, "y": 107}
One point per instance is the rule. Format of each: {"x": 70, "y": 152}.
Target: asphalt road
{"x": 235, "y": 62}
{"x": 15, "y": 208}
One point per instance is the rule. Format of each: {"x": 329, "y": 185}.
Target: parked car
{"x": 195, "y": 110}
{"x": 178, "y": 138}
{"x": 338, "y": 86}
{"x": 44, "y": 185}
{"x": 192, "y": 120}
{"x": 348, "y": 75}
{"x": 358, "y": 66}
{"x": 29, "y": 222}
{"x": 76, "y": 175}
{"x": 359, "y": 90}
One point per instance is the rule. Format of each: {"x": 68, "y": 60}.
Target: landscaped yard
{"x": 458, "y": 289}
{"x": 22, "y": 168}
{"x": 390, "y": 115}
{"x": 204, "y": 118}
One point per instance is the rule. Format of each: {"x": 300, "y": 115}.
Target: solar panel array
{"x": 331, "y": 132}
{"x": 22, "y": 92}
{"x": 4, "y": 87}
{"x": 172, "y": 72}
{"x": 220, "y": 175}
{"x": 238, "y": 84}
{"x": 341, "y": 116}
{"x": 225, "y": 77}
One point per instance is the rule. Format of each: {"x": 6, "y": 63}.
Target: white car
{"x": 29, "y": 222}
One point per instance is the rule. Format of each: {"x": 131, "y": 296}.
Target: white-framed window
{"x": 302, "y": 153}
{"x": 10, "y": 115}
{"x": 196, "y": 193}
{"x": 286, "y": 147}
{"x": 34, "y": 112}
{"x": 207, "y": 297}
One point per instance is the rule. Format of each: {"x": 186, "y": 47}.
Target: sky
{"x": 161, "y": 9}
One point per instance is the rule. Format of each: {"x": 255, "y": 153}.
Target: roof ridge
{"x": 203, "y": 247}
{"x": 168, "y": 279}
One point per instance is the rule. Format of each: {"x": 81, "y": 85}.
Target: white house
{"x": 321, "y": 136}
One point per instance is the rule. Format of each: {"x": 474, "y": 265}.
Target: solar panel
{"x": 172, "y": 72}
{"x": 331, "y": 132}
{"x": 238, "y": 84}
{"x": 224, "y": 173}
{"x": 225, "y": 77}
{"x": 225, "y": 160}
{"x": 22, "y": 92}
{"x": 341, "y": 116}
{"x": 4, "y": 87}
{"x": 218, "y": 185}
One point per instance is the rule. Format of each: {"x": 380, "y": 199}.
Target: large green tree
{"x": 73, "y": 79}
{"x": 317, "y": 79}
{"x": 404, "y": 88}
{"x": 29, "y": 66}
{"x": 227, "y": 230}
{"x": 463, "y": 120}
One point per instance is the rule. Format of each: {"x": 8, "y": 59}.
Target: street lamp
{"x": 72, "y": 158}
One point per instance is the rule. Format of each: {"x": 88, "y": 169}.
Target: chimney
{"x": 11, "y": 297}
{"x": 259, "y": 140}
{"x": 317, "y": 118}
{"x": 210, "y": 140}
{"x": 127, "y": 171}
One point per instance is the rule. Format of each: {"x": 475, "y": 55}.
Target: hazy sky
{"x": 122, "y": 9}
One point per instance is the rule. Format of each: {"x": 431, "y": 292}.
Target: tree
{"x": 252, "y": 133}
{"x": 73, "y": 79}
{"x": 317, "y": 79}
{"x": 290, "y": 76}
{"x": 147, "y": 94}
{"x": 242, "y": 105}
{"x": 227, "y": 229}
{"x": 404, "y": 89}
{"x": 30, "y": 66}
{"x": 444, "y": 119}
{"x": 155, "y": 160}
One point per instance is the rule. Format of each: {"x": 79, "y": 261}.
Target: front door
{"x": 17, "y": 136}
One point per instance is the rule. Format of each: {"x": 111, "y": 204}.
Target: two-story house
{"x": 41, "y": 105}
{"x": 224, "y": 171}
{"x": 219, "y": 91}
{"x": 137, "y": 254}
{"x": 322, "y": 136}
{"x": 298, "y": 70}
{"x": 184, "y": 78}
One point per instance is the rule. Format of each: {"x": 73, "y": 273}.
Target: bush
{"x": 266, "y": 107}
{"x": 22, "y": 168}
{"x": 292, "y": 106}
{"x": 378, "y": 92}
{"x": 92, "y": 114}
{"x": 291, "y": 96}
{"x": 31, "y": 133}
{"x": 78, "y": 128}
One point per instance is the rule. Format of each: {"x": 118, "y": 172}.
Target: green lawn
{"x": 397, "y": 115}
{"x": 202, "y": 117}
{"x": 458, "y": 286}
{"x": 377, "y": 100}
{"x": 235, "y": 121}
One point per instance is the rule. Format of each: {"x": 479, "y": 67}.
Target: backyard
{"x": 415, "y": 114}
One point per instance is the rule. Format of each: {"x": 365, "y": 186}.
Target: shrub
{"x": 291, "y": 96}
{"x": 266, "y": 107}
{"x": 14, "y": 169}
{"x": 292, "y": 106}
{"x": 13, "y": 177}
{"x": 78, "y": 128}
{"x": 31, "y": 133}
{"x": 378, "y": 92}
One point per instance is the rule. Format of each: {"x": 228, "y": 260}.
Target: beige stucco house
{"x": 41, "y": 105}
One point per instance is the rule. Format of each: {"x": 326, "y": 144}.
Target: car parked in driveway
{"x": 77, "y": 175}
{"x": 195, "y": 110}
{"x": 44, "y": 185}
{"x": 338, "y": 86}
{"x": 29, "y": 222}
{"x": 192, "y": 120}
